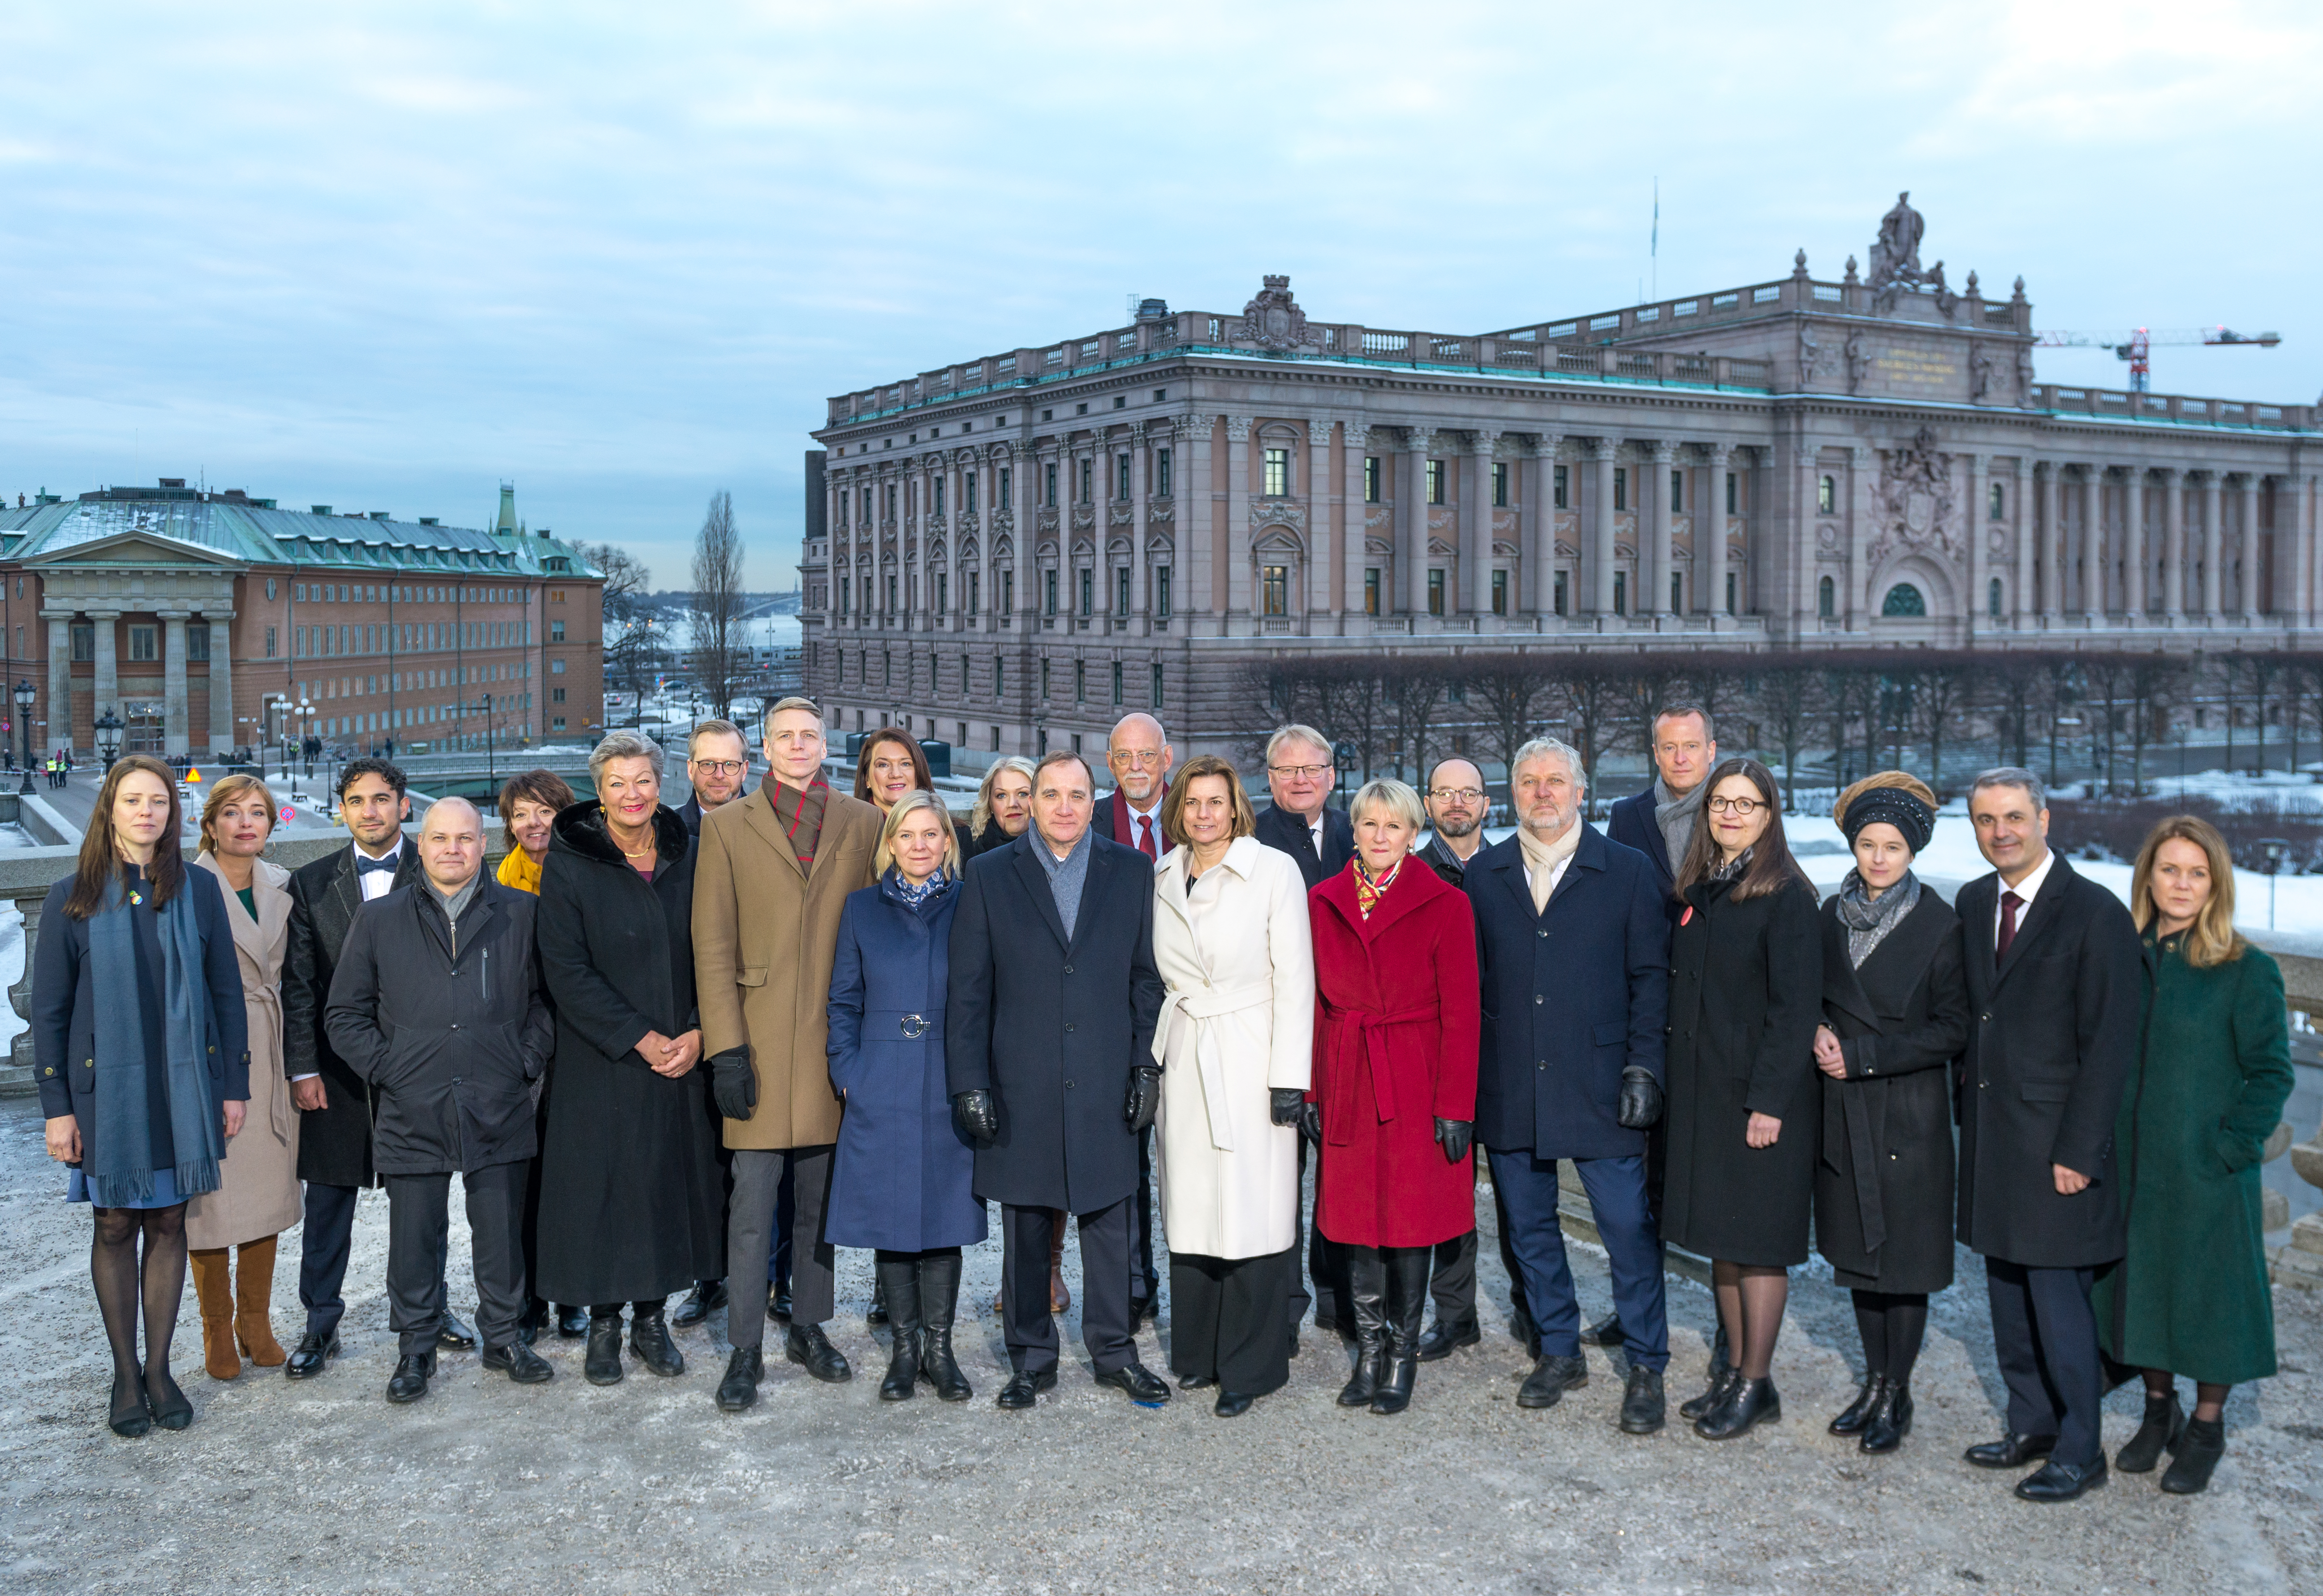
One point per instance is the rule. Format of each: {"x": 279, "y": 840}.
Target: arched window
{"x": 1904, "y": 599}
{"x": 1826, "y": 495}
{"x": 1992, "y": 599}
{"x": 1826, "y": 604}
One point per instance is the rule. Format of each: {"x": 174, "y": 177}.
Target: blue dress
{"x": 900, "y": 1177}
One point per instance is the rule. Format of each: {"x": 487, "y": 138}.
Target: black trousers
{"x": 750, "y": 1216}
{"x": 2045, "y": 1335}
{"x": 1451, "y": 1281}
{"x": 1324, "y": 1263}
{"x": 1142, "y": 1282}
{"x": 1225, "y": 1315}
{"x": 1030, "y": 1328}
{"x": 419, "y": 1234}
{"x": 324, "y": 1242}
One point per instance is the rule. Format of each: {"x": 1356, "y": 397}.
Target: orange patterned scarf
{"x": 1368, "y": 891}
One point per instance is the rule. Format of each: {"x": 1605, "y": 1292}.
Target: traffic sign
{"x": 288, "y": 814}
{"x": 193, "y": 775}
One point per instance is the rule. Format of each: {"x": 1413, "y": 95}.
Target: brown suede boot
{"x": 254, "y": 1289}
{"x": 213, "y": 1285}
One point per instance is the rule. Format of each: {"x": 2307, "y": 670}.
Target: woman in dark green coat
{"x": 2190, "y": 1296}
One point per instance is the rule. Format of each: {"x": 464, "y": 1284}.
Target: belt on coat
{"x": 1852, "y": 1112}
{"x": 910, "y": 1027}
{"x": 1362, "y": 1028}
{"x": 279, "y": 1116}
{"x": 1209, "y": 1003}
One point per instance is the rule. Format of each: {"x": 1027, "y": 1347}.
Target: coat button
{"x": 213, "y": 1049}
{"x": 1544, "y": 935}
{"x": 1069, "y": 1086}
{"x": 1068, "y": 970}
{"x": 89, "y": 1063}
{"x": 51, "y": 1070}
{"x": 455, "y": 1080}
{"x": 1538, "y": 999}
{"x": 1069, "y": 1025}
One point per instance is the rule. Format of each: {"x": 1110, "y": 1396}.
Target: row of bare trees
{"x": 1847, "y": 712}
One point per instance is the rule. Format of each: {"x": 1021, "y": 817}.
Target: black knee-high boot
{"x": 1366, "y": 1270}
{"x": 1406, "y": 1302}
{"x": 939, "y": 1286}
{"x": 899, "y": 1283}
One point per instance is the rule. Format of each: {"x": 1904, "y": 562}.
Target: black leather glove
{"x": 1284, "y": 1104}
{"x": 733, "y": 1084}
{"x": 1641, "y": 1098}
{"x": 1453, "y": 1135}
{"x": 977, "y": 1113}
{"x": 1144, "y": 1099}
{"x": 1311, "y": 1124}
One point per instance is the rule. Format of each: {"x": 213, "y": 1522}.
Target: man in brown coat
{"x": 774, "y": 870}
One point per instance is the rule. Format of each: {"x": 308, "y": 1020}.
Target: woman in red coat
{"x": 1393, "y": 1104}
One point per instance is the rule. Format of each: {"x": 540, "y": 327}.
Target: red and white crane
{"x": 2134, "y": 346}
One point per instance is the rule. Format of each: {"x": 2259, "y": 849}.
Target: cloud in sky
{"x": 386, "y": 256}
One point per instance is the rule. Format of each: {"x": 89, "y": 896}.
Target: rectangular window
{"x": 967, "y": 491}
{"x": 556, "y": 723}
{"x": 198, "y": 640}
{"x": 1088, "y": 592}
{"x": 1088, "y": 480}
{"x": 1826, "y": 495}
{"x": 943, "y": 593}
{"x": 555, "y": 667}
{"x": 1733, "y": 493}
{"x": 1161, "y": 473}
{"x": 1157, "y": 687}
{"x": 1080, "y": 681}
{"x": 1007, "y": 493}
{"x": 1048, "y": 484}
{"x": 1121, "y": 591}
{"x": 1436, "y": 592}
{"x": 1435, "y": 482}
{"x": 1563, "y": 591}
{"x": 936, "y": 488}
{"x": 1499, "y": 485}
{"x": 1678, "y": 492}
{"x": 1161, "y": 592}
{"x": 141, "y": 643}
{"x": 1121, "y": 477}
{"x": 270, "y": 642}
{"x": 1998, "y": 497}
{"x": 1274, "y": 589}
{"x": 1677, "y": 604}
{"x": 1500, "y": 593}
{"x": 1620, "y": 592}
{"x": 1731, "y": 586}
{"x": 974, "y": 582}
{"x": 557, "y": 696}
{"x": 892, "y": 607}
{"x": 1370, "y": 479}
{"x": 1116, "y": 684}
{"x": 556, "y": 631}
{"x": 1372, "y": 591}
{"x": 1278, "y": 472}
{"x": 1007, "y": 590}
{"x": 1621, "y": 487}
{"x": 999, "y": 678}
{"x": 1049, "y": 593}
{"x": 1557, "y": 487}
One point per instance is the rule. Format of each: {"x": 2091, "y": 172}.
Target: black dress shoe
{"x": 172, "y": 1410}
{"x": 1605, "y": 1332}
{"x": 529, "y": 1324}
{"x": 453, "y": 1335}
{"x": 1554, "y": 1375}
{"x": 808, "y": 1347}
{"x": 1441, "y": 1341}
{"x": 129, "y": 1417}
{"x": 1024, "y": 1386}
{"x": 601, "y": 1364}
{"x": 408, "y": 1383}
{"x": 1889, "y": 1420}
{"x": 2197, "y": 1450}
{"x": 311, "y": 1355}
{"x": 1643, "y": 1407}
{"x": 744, "y": 1369}
{"x": 1140, "y": 1383}
{"x": 1197, "y": 1383}
{"x": 1747, "y": 1404}
{"x": 571, "y": 1322}
{"x": 706, "y": 1299}
{"x": 1141, "y": 1310}
{"x": 2158, "y": 1431}
{"x": 2010, "y": 1452}
{"x": 2055, "y": 1482}
{"x": 519, "y": 1363}
{"x": 1232, "y": 1404}
{"x": 778, "y": 1304}
{"x": 1712, "y": 1394}
{"x": 649, "y": 1339}
{"x": 1850, "y": 1417}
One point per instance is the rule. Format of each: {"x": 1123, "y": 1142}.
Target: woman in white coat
{"x": 1236, "y": 1041}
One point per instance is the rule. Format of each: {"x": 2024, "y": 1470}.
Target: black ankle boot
{"x": 1366, "y": 1300}
{"x": 1889, "y": 1420}
{"x": 1407, "y": 1303}
{"x": 2164, "y": 1422}
{"x": 2201, "y": 1446}
{"x": 1746, "y": 1404}
{"x": 1721, "y": 1371}
{"x": 649, "y": 1339}
{"x": 899, "y": 1286}
{"x": 1851, "y": 1419}
{"x": 939, "y": 1287}
{"x": 601, "y": 1364}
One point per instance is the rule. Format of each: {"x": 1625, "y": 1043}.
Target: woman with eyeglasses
{"x": 1746, "y": 995}
{"x": 901, "y": 1176}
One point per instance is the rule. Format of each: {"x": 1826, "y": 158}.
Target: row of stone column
{"x": 177, "y": 732}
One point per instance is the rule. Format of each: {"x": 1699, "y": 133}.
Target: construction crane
{"x": 2134, "y": 345}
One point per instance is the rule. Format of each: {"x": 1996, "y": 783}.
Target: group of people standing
{"x": 674, "y": 1049}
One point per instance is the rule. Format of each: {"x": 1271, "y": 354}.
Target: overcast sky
{"x": 385, "y": 257}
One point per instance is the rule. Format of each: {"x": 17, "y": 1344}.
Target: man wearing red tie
{"x": 1138, "y": 754}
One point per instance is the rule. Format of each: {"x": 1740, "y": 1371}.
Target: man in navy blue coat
{"x": 1574, "y": 962}
{"x": 1048, "y": 1050}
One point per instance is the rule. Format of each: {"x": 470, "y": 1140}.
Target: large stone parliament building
{"x": 1006, "y": 552}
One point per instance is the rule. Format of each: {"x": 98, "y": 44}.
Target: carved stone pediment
{"x": 1917, "y": 500}
{"x": 1566, "y": 551}
{"x": 1501, "y": 546}
{"x": 1378, "y": 546}
{"x": 1273, "y": 320}
{"x": 1159, "y": 545}
{"x": 1436, "y": 546}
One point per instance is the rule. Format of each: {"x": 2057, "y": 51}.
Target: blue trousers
{"x": 2045, "y": 1335}
{"x": 1526, "y": 1187}
{"x": 323, "y": 1247}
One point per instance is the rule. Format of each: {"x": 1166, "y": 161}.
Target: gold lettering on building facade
{"x": 1910, "y": 368}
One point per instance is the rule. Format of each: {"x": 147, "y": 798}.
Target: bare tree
{"x": 1598, "y": 695}
{"x": 2155, "y": 683}
{"x": 1508, "y": 689}
{"x": 1413, "y": 688}
{"x": 1940, "y": 696}
{"x": 718, "y": 604}
{"x": 632, "y": 645}
{"x": 1788, "y": 695}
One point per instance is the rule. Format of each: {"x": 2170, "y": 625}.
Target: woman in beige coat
{"x": 1236, "y": 1040}
{"x": 257, "y": 1196}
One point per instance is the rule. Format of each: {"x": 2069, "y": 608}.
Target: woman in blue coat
{"x": 900, "y": 1180}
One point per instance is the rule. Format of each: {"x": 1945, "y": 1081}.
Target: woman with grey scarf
{"x": 1895, "y": 1016}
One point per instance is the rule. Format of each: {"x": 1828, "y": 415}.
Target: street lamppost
{"x": 24, "y": 691}
{"x": 1343, "y": 756}
{"x": 2275, "y": 847}
{"x": 492, "y": 775}
{"x": 108, "y": 737}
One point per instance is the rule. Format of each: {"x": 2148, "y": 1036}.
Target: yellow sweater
{"x": 519, "y": 871}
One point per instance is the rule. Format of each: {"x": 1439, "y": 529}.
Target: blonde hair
{"x": 227, "y": 790}
{"x": 1173, "y": 806}
{"x": 884, "y": 856}
{"x": 1904, "y": 779}
{"x": 2212, "y": 939}
{"x": 979, "y": 818}
{"x": 1400, "y": 801}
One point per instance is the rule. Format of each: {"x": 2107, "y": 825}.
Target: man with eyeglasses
{"x": 1457, "y": 804}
